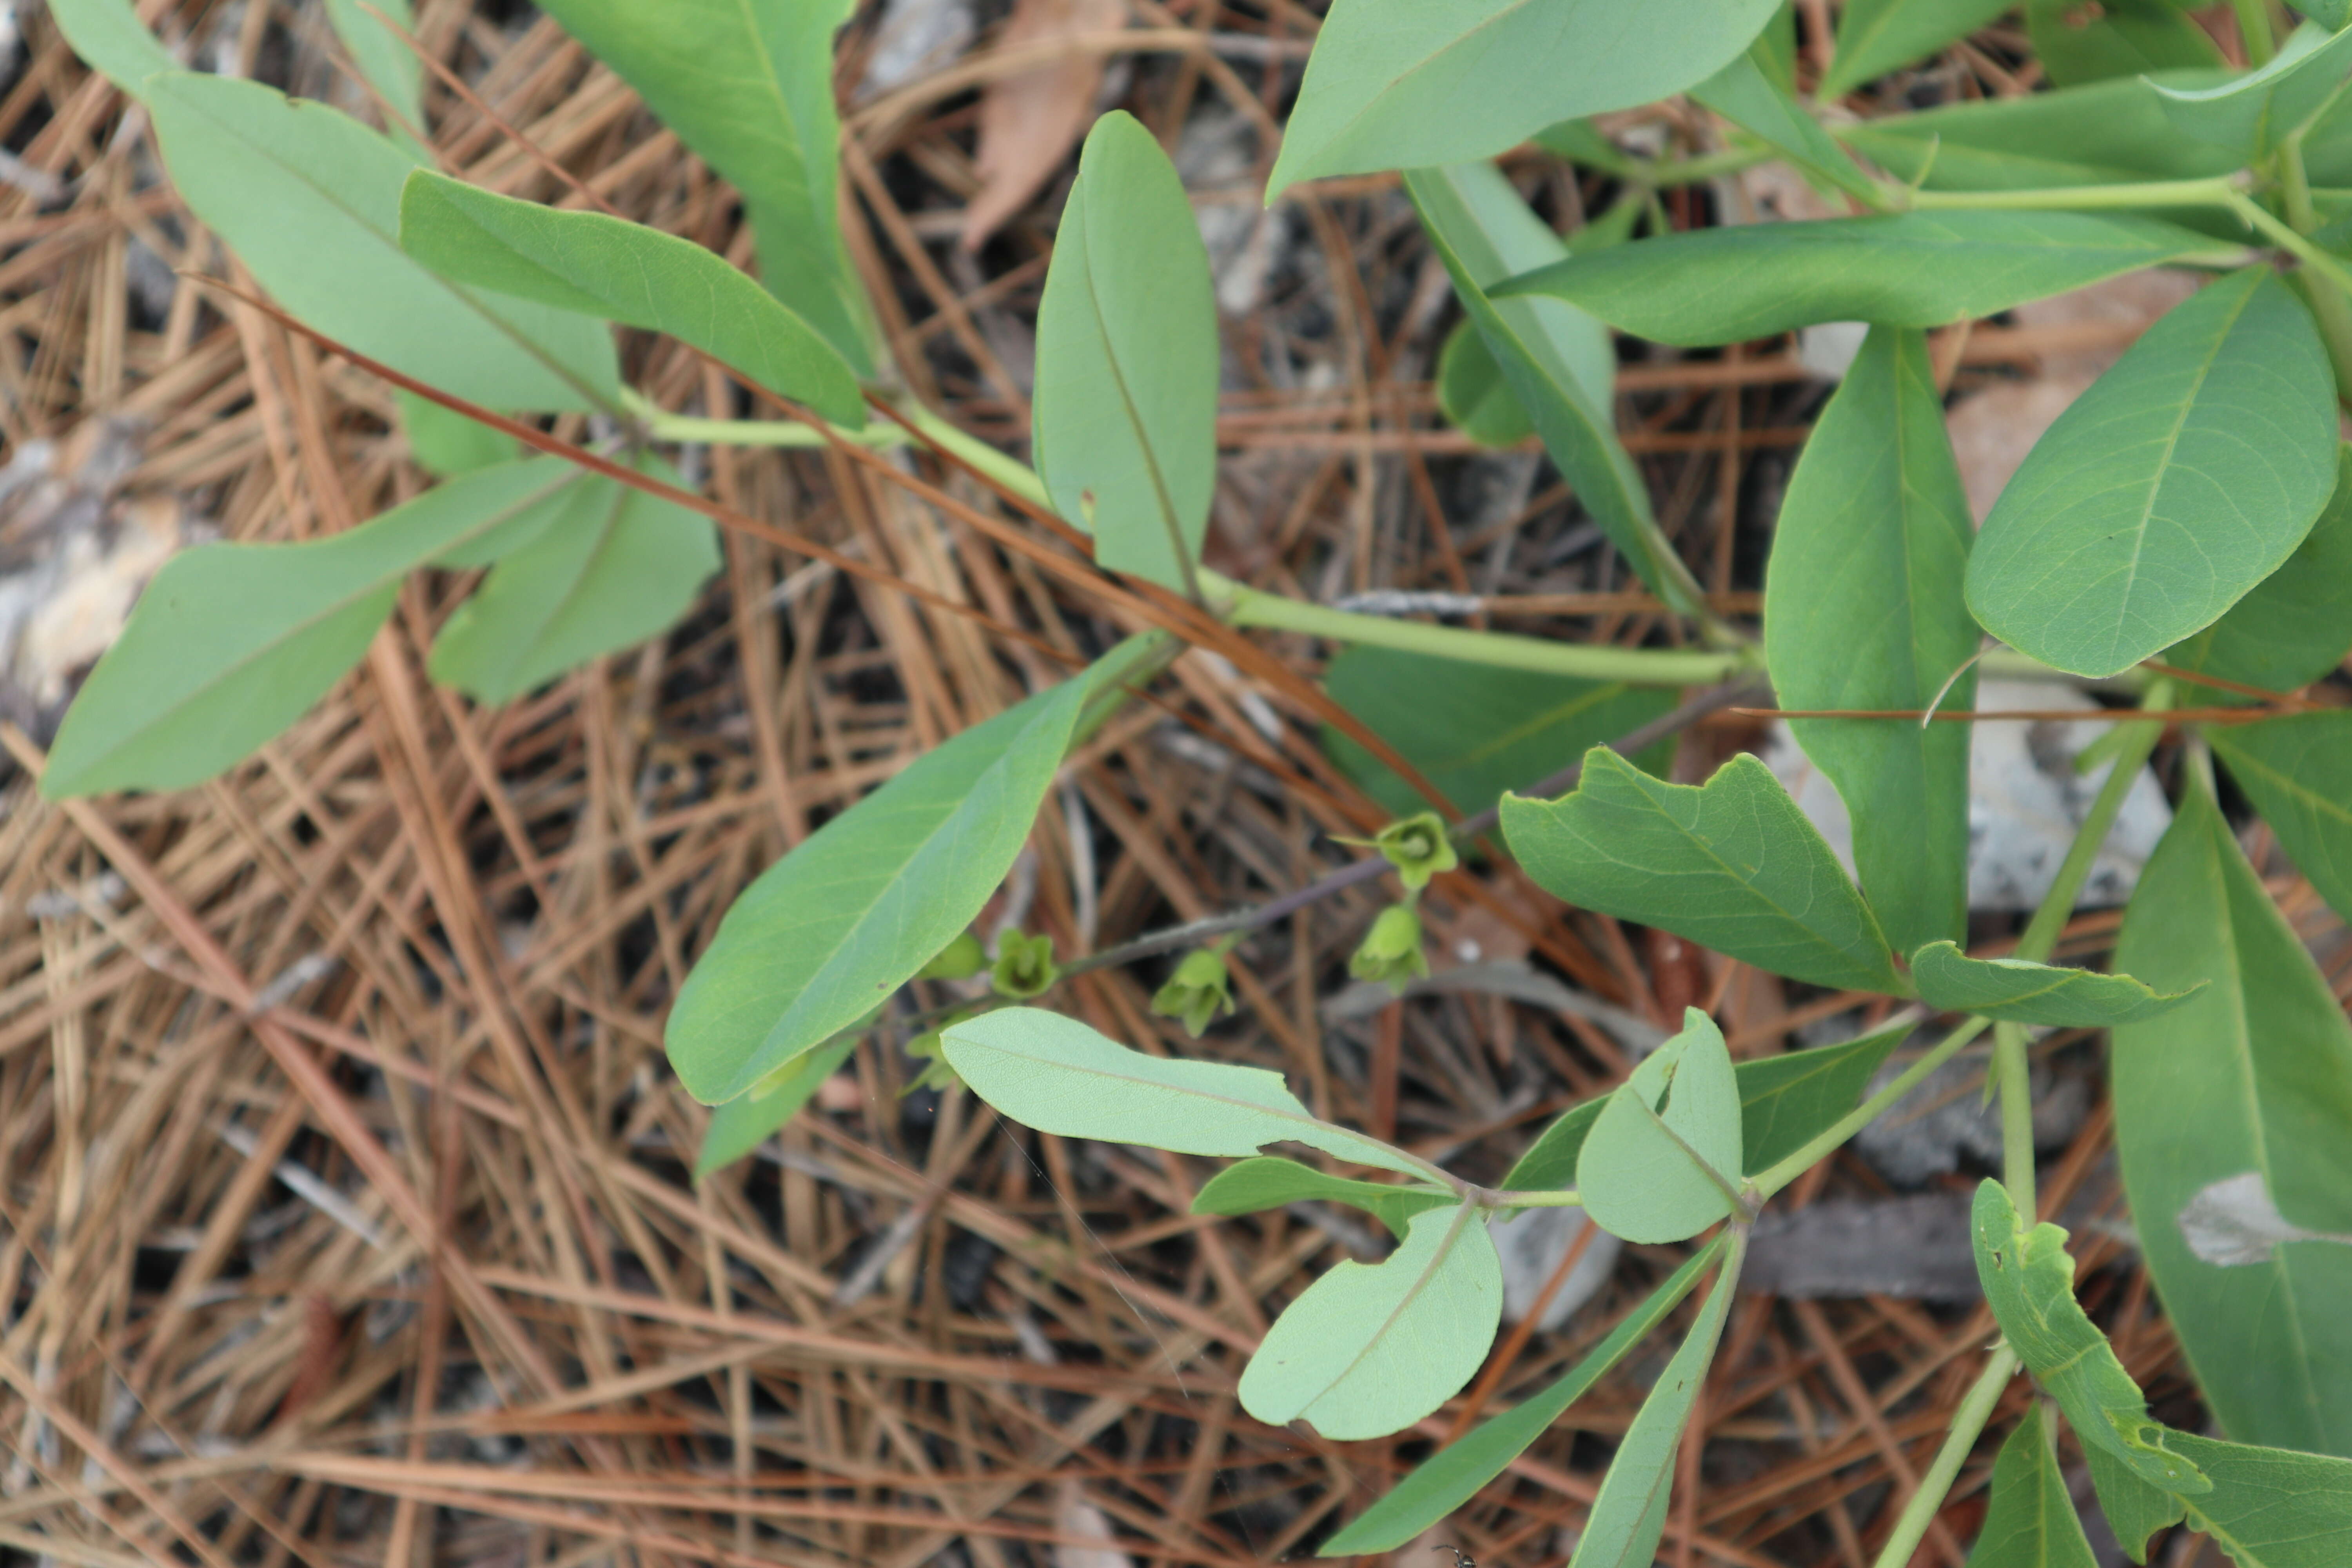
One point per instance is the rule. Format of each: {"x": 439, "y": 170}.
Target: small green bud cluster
{"x": 1199, "y": 990}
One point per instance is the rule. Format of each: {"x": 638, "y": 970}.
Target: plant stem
{"x": 2329, "y": 305}
{"x": 2049, "y": 919}
{"x": 765, "y": 432}
{"x": 1967, "y": 1422}
{"x": 2220, "y": 191}
{"x": 2254, "y": 28}
{"x": 1011, "y": 472}
{"x": 1638, "y": 667}
{"x": 1570, "y": 1199}
{"x": 2016, "y": 1113}
{"x": 1780, "y": 1174}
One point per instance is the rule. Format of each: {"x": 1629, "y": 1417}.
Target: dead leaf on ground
{"x": 1029, "y": 120}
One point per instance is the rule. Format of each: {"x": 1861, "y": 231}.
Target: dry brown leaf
{"x": 1030, "y": 119}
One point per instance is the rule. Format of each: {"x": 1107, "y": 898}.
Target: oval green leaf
{"x": 310, "y": 200}
{"x": 2185, "y": 475}
{"x": 383, "y": 58}
{"x": 1269, "y": 1182}
{"x": 2250, "y": 117}
{"x": 1406, "y": 84}
{"x": 1473, "y": 394}
{"x": 1862, "y": 610}
{"x": 743, "y": 1123}
{"x": 2023, "y": 993}
{"x": 2135, "y": 1509}
{"x": 2270, "y": 1508}
{"x": 2106, "y": 133}
{"x": 1898, "y": 269}
{"x": 849, "y": 915}
{"x": 2296, "y": 625}
{"x": 2253, "y": 1073}
{"x": 112, "y": 41}
{"x": 1662, "y": 1159}
{"x": 2118, "y": 38}
{"x": 1754, "y": 94}
{"x": 445, "y": 442}
{"x": 1731, "y": 865}
{"x": 1369, "y": 1349}
{"x": 2029, "y": 1521}
{"x": 2298, "y": 773}
{"x": 1874, "y": 36}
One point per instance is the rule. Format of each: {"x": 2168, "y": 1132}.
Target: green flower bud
{"x": 1024, "y": 966}
{"x": 1197, "y": 991}
{"x": 960, "y": 960}
{"x": 1391, "y": 949}
{"x": 936, "y": 1074}
{"x": 1418, "y": 848}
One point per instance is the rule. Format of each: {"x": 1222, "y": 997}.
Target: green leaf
{"x": 1732, "y": 865}
{"x": 2023, "y": 993}
{"x": 446, "y": 443}
{"x": 1269, "y": 1182}
{"x": 744, "y": 1122}
{"x": 2270, "y": 1508}
{"x": 613, "y": 269}
{"x": 2185, "y": 475}
{"x": 1557, "y": 361}
{"x": 384, "y": 60}
{"x": 2250, "y": 116}
{"x": 1451, "y": 1477}
{"x": 1661, "y": 1160}
{"x": 1750, "y": 93}
{"x": 1058, "y": 1075}
{"x": 626, "y": 570}
{"x": 2135, "y": 1509}
{"x": 231, "y": 643}
{"x": 1862, "y": 610}
{"x": 1369, "y": 1349}
{"x": 747, "y": 85}
{"x": 2296, "y": 625}
{"x": 2028, "y": 1281}
{"x": 1898, "y": 269}
{"x": 2029, "y": 1521}
{"x": 2298, "y": 773}
{"x": 2104, "y": 132}
{"x": 2253, "y": 1073}
{"x": 1474, "y": 730}
{"x": 1126, "y": 408}
{"x": 310, "y": 200}
{"x": 863, "y": 902}
{"x": 2087, "y": 40}
{"x": 1629, "y": 1512}
{"x": 1441, "y": 82}
{"x": 1876, "y": 37}
{"x": 1473, "y": 394}
{"x": 112, "y": 41}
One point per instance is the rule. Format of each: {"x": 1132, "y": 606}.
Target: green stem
{"x": 1507, "y": 650}
{"x": 1780, "y": 1174}
{"x": 766, "y": 432}
{"x": 1011, "y": 472}
{"x": 2041, "y": 938}
{"x": 2254, "y": 28}
{"x": 2330, "y": 306}
{"x": 1968, "y": 1422}
{"x": 2284, "y": 237}
{"x": 2221, "y": 191}
{"x": 1519, "y": 1200}
{"x": 2016, "y": 1113}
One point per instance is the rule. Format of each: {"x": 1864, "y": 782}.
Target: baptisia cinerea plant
{"x": 2181, "y": 538}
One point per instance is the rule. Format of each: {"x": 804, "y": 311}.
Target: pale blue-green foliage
{"x": 1473, "y": 394}
{"x": 310, "y": 200}
{"x": 743, "y": 1123}
{"x": 2250, "y": 116}
{"x": 1874, "y": 36}
{"x": 847, "y": 917}
{"x": 1862, "y": 610}
{"x": 231, "y": 643}
{"x": 747, "y": 85}
{"x": 2181, "y": 478}
{"x": 112, "y": 41}
{"x": 2127, "y": 38}
{"x": 383, "y": 58}
{"x": 1732, "y": 865}
{"x": 1897, "y": 270}
{"x": 2298, "y": 773}
{"x": 2253, "y": 1073}
{"x": 620, "y": 566}
{"x": 1369, "y": 1349}
{"x": 2023, "y": 992}
{"x": 1057, "y": 1075}
{"x": 2101, "y": 132}
{"x": 2030, "y": 1520}
{"x": 613, "y": 270}
{"x": 2291, "y": 628}
{"x": 1269, "y": 1182}
{"x": 1754, "y": 92}
{"x": 1126, "y": 406}
{"x": 1663, "y": 1156}
{"x": 446, "y": 443}
{"x": 1407, "y": 84}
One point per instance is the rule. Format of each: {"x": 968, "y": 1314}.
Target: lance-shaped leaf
{"x": 383, "y": 58}
{"x": 2251, "y": 116}
{"x": 2296, "y": 625}
{"x": 2181, "y": 478}
{"x": 1553, "y": 357}
{"x": 1406, "y": 86}
{"x": 1372, "y": 1348}
{"x": 851, "y": 913}
{"x": 1058, "y": 1075}
{"x": 310, "y": 200}
{"x": 1752, "y": 92}
{"x": 445, "y": 442}
{"x": 2253, "y": 1073}
{"x": 1897, "y": 270}
{"x": 1452, "y": 1476}
{"x": 2270, "y": 1508}
{"x": 1874, "y": 36}
{"x": 2028, "y": 1281}
{"x": 2030, "y": 1520}
{"x": 620, "y": 567}
{"x": 608, "y": 267}
{"x": 231, "y": 643}
{"x": 1269, "y": 1182}
{"x": 1732, "y": 865}
{"x": 747, "y": 85}
{"x": 2105, "y": 133}
{"x": 1628, "y": 1514}
{"x": 1862, "y": 610}
{"x": 1664, "y": 1155}
{"x": 2121, "y": 38}
{"x": 744, "y": 1122}
{"x": 1125, "y": 409}
{"x": 1473, "y": 394}
{"x": 2021, "y": 992}
{"x": 2298, "y": 773}
{"x": 112, "y": 41}
{"x": 2135, "y": 1509}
